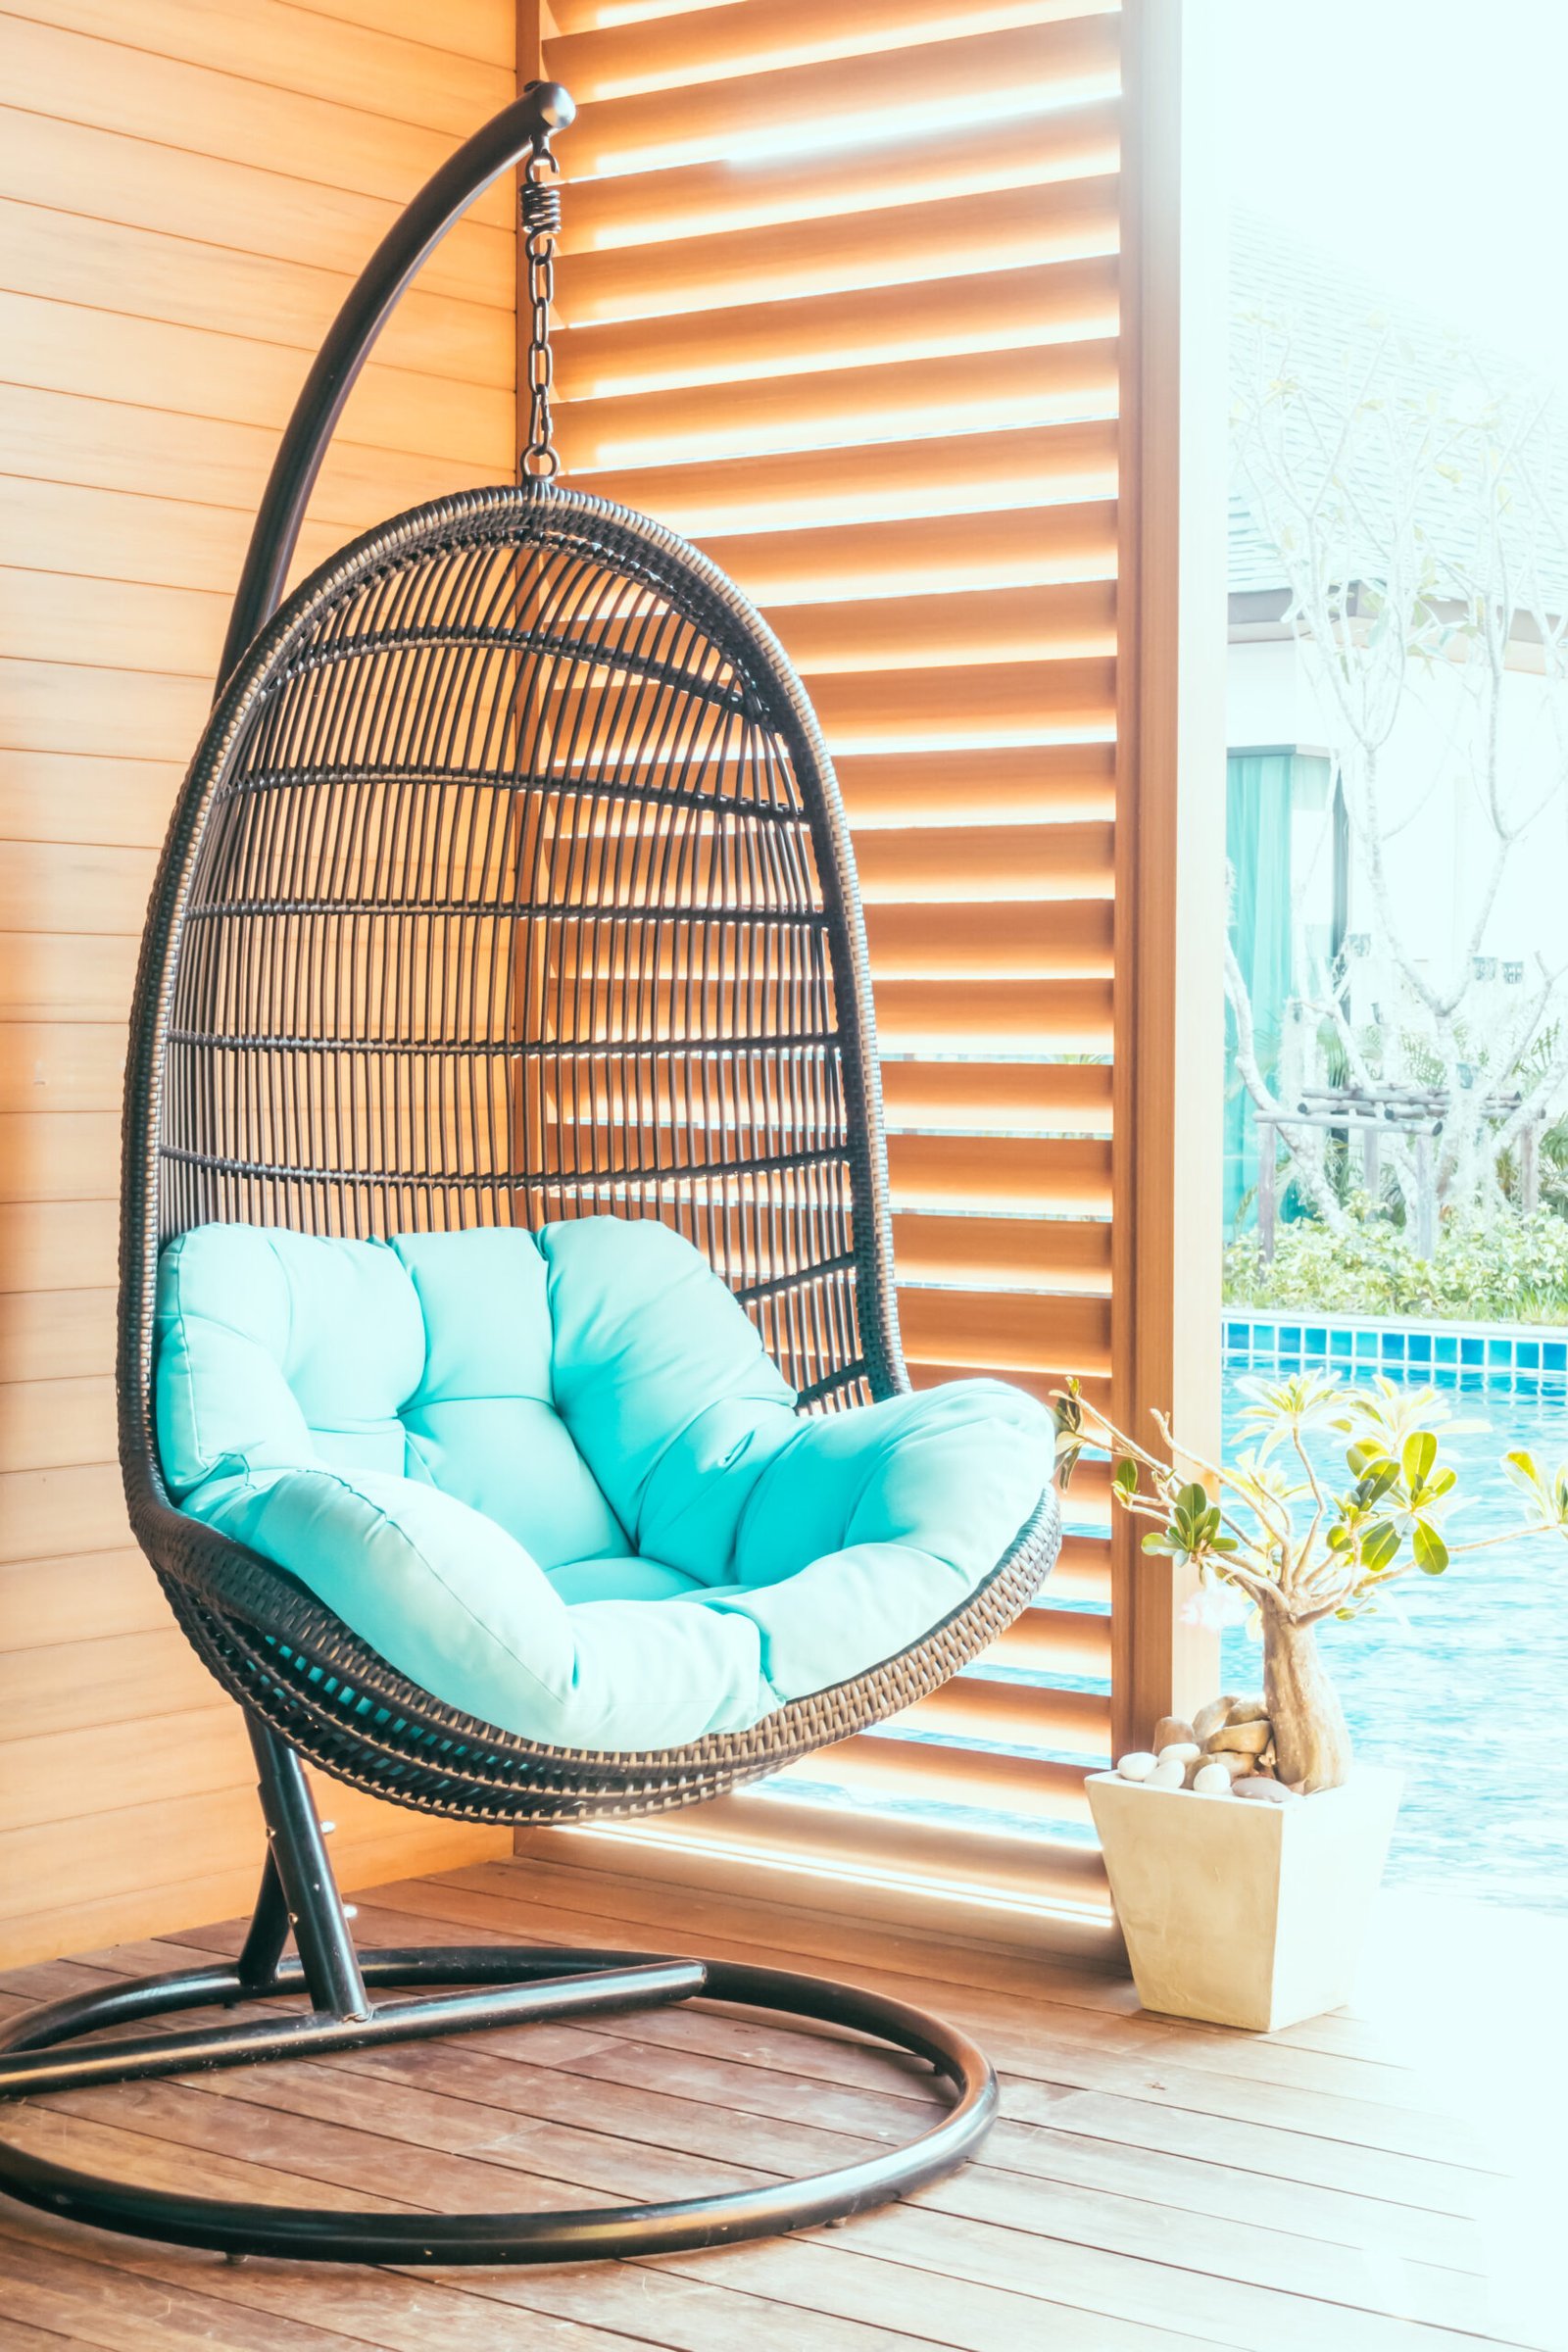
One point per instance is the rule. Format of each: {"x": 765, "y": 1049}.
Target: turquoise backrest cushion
{"x": 556, "y": 1481}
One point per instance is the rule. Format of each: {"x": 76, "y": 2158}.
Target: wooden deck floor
{"x": 1375, "y": 2181}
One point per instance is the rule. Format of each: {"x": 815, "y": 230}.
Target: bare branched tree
{"x": 1422, "y": 542}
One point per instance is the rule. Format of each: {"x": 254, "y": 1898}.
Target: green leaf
{"x": 1379, "y": 1545}
{"x": 1431, "y": 1551}
{"x": 1420, "y": 1453}
{"x": 1155, "y": 1542}
{"x": 1193, "y": 1499}
{"x": 1125, "y": 1475}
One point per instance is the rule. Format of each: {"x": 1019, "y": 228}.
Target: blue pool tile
{"x": 1392, "y": 1347}
{"x": 1317, "y": 1344}
{"x": 1263, "y": 1336}
{"x": 1236, "y": 1334}
{"x": 1471, "y": 1351}
{"x": 1554, "y": 1353}
{"x": 1420, "y": 1347}
{"x": 1527, "y": 1353}
{"x": 1499, "y": 1352}
{"x": 1447, "y": 1347}
{"x": 1366, "y": 1346}
{"x": 1339, "y": 1343}
{"x": 1289, "y": 1337}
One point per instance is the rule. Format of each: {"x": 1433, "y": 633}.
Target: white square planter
{"x": 1241, "y": 1913}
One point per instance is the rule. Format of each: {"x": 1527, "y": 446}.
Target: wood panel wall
{"x": 186, "y": 188}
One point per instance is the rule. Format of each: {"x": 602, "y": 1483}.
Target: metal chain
{"x": 541, "y": 225}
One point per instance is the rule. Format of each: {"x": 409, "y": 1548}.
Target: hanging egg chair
{"x": 512, "y": 1402}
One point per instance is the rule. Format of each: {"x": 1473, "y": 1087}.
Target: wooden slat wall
{"x": 186, "y": 191}
{"x": 858, "y": 298}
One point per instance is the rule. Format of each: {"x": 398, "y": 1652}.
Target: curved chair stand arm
{"x": 306, "y": 1686}
{"x": 518, "y": 130}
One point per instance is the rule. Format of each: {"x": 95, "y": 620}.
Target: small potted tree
{"x": 1244, "y": 1848}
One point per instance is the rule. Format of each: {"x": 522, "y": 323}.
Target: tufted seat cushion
{"x": 556, "y": 1481}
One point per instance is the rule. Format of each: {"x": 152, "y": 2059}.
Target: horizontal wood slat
{"x": 992, "y": 390}
{"x": 877, "y": 377}
{"x": 48, "y": 161}
{"x": 56, "y": 72}
{"x": 1000, "y": 228}
{"x": 715, "y": 43}
{"x": 930, "y": 164}
{"x": 1047, "y": 303}
{"x": 241, "y": 380}
{"x": 845, "y": 562}
{"x": 260, "y": 41}
{"x": 881, "y": 1765}
{"x": 103, "y": 266}
{"x": 950, "y": 79}
{"x": 185, "y": 195}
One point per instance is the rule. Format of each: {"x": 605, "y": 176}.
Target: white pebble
{"x": 1184, "y": 1752}
{"x": 1138, "y": 1766}
{"x": 1212, "y": 1780}
{"x": 1169, "y": 1773}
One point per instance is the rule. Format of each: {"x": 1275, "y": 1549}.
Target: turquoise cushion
{"x": 556, "y": 1481}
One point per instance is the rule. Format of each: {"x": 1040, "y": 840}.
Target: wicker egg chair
{"x": 509, "y": 883}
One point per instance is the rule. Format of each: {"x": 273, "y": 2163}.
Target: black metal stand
{"x": 501, "y": 1985}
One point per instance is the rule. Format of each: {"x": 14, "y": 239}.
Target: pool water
{"x": 1470, "y": 1701}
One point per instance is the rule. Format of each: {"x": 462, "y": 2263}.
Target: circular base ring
{"x": 311, "y": 2233}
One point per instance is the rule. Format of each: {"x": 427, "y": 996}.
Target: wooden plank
{"x": 79, "y": 1509}
{"x": 185, "y": 195}
{"x": 64, "y": 976}
{"x": 141, "y": 273}
{"x": 45, "y": 1604}
{"x": 350, "y": 65}
{"x": 61, "y": 1065}
{"x": 79, "y": 707}
{"x": 64, "y": 1778}
{"x": 60, "y": 1156}
{"x": 50, "y": 69}
{"x": 45, "y": 1424}
{"x": 59, "y": 1334}
{"x": 485, "y": 2115}
{"x": 241, "y": 380}
{"x": 1171, "y": 911}
{"x": 930, "y": 1968}
{"x": 44, "y": 159}
{"x": 141, "y": 1869}
{"x": 96, "y": 443}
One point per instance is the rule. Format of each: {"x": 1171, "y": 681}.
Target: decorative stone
{"x": 1138, "y": 1765}
{"x": 1232, "y": 1763}
{"x": 1242, "y": 1739}
{"x": 1169, "y": 1773}
{"x": 1172, "y": 1732}
{"x": 1185, "y": 1751}
{"x": 1208, "y": 1719}
{"x": 1211, "y": 1780}
{"x": 1271, "y": 1793}
{"x": 1248, "y": 1710}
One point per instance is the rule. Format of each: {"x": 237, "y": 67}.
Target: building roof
{"x": 1324, "y": 339}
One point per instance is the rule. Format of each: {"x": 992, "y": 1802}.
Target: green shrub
{"x": 1500, "y": 1269}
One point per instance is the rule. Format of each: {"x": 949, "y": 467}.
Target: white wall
{"x": 1440, "y": 857}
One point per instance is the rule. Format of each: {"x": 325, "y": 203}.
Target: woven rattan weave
{"x": 511, "y": 883}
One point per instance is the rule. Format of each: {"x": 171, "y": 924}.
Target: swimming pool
{"x": 1471, "y": 1703}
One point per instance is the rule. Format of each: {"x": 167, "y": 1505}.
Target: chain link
{"x": 541, "y": 225}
